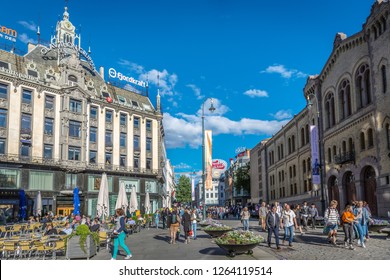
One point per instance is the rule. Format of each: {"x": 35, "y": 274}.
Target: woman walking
{"x": 245, "y": 215}
{"x": 157, "y": 218}
{"x": 186, "y": 225}
{"x": 348, "y": 219}
{"x": 120, "y": 234}
{"x": 362, "y": 218}
{"x": 173, "y": 224}
{"x": 297, "y": 210}
{"x": 194, "y": 223}
{"x": 262, "y": 215}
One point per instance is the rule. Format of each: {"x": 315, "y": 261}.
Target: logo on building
{"x": 8, "y": 33}
{"x": 219, "y": 164}
{"x": 118, "y": 75}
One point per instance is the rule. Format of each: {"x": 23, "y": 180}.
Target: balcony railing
{"x": 345, "y": 158}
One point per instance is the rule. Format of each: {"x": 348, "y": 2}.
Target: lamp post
{"x": 211, "y": 109}
{"x": 320, "y": 149}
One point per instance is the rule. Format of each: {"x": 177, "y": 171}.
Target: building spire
{"x": 39, "y": 35}
{"x": 158, "y": 94}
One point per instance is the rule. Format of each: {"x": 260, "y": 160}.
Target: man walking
{"x": 289, "y": 222}
{"x": 313, "y": 213}
{"x": 272, "y": 221}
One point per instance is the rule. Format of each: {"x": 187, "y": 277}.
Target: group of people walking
{"x": 354, "y": 221}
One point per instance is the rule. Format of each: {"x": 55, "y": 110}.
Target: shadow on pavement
{"x": 213, "y": 251}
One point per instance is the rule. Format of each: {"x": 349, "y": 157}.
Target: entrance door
{"x": 370, "y": 189}
{"x": 333, "y": 190}
{"x": 64, "y": 211}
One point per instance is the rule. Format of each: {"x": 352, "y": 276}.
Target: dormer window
{"x": 135, "y": 103}
{"x": 4, "y": 65}
{"x": 105, "y": 94}
{"x": 121, "y": 99}
{"x": 72, "y": 80}
{"x": 32, "y": 73}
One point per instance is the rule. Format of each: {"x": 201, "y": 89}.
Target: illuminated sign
{"x": 8, "y": 33}
{"x": 240, "y": 150}
{"x": 114, "y": 74}
{"x": 219, "y": 164}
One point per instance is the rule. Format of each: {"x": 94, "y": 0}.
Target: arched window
{"x": 345, "y": 99}
{"x": 304, "y": 166}
{"x": 329, "y": 155}
{"x": 383, "y": 21}
{"x": 344, "y": 146}
{"x": 302, "y": 137}
{"x": 72, "y": 78}
{"x": 289, "y": 145}
{"x": 362, "y": 141}
{"x": 307, "y": 134}
{"x": 350, "y": 145}
{"x": 330, "y": 118}
{"x": 290, "y": 169}
{"x": 294, "y": 171}
{"x": 363, "y": 86}
{"x": 308, "y": 163}
{"x": 278, "y": 153}
{"x": 388, "y": 135}
{"x": 334, "y": 151}
{"x": 384, "y": 79}
{"x": 282, "y": 151}
{"x": 370, "y": 137}
{"x": 293, "y": 143}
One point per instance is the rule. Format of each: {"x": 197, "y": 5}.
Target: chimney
{"x": 101, "y": 72}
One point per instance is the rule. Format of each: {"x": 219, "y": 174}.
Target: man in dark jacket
{"x": 273, "y": 222}
{"x": 164, "y": 215}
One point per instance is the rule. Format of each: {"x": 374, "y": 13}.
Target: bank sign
{"x": 118, "y": 75}
{"x": 8, "y": 33}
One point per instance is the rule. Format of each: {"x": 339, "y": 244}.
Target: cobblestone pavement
{"x": 152, "y": 244}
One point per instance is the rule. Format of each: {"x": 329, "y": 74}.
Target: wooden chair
{"x": 9, "y": 249}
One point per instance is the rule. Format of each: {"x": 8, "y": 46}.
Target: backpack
{"x": 174, "y": 218}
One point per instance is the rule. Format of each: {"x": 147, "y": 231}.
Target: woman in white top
{"x": 245, "y": 215}
{"x": 194, "y": 223}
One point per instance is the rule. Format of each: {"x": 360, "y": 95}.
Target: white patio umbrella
{"x": 133, "y": 205}
{"x": 121, "y": 201}
{"x": 103, "y": 206}
{"x": 38, "y": 204}
{"x": 148, "y": 207}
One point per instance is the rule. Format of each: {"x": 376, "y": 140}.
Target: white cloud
{"x": 284, "y": 72}
{"x": 182, "y": 165}
{"x": 282, "y": 115}
{"x": 29, "y": 25}
{"x": 220, "y": 109}
{"x": 25, "y": 39}
{"x": 197, "y": 91}
{"x": 256, "y": 93}
{"x": 182, "y": 130}
{"x": 164, "y": 79}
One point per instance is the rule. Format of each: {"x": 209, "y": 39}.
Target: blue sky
{"x": 252, "y": 57}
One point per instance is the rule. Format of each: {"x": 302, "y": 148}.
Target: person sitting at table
{"x": 130, "y": 221}
{"x": 50, "y": 230}
{"x": 95, "y": 226}
{"x": 67, "y": 230}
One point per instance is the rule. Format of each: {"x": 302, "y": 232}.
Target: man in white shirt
{"x": 289, "y": 222}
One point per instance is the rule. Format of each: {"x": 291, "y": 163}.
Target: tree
{"x": 183, "y": 190}
{"x": 242, "y": 178}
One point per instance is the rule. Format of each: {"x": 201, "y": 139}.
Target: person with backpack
{"x": 173, "y": 224}
{"x": 332, "y": 221}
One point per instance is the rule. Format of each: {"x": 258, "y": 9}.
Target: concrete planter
{"x": 74, "y": 251}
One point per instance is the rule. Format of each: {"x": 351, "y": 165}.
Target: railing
{"x": 345, "y": 157}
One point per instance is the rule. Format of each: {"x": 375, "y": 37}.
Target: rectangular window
{"x": 25, "y": 149}
{"x": 41, "y": 181}
{"x": 123, "y": 140}
{"x": 26, "y": 96}
{"x": 148, "y": 144}
{"x": 136, "y": 162}
{"x": 2, "y": 146}
{"x": 92, "y": 134}
{"x": 75, "y": 129}
{"x": 49, "y": 101}
{"x": 108, "y": 158}
{"x": 109, "y": 116}
{"x": 136, "y": 143}
{"x": 32, "y": 73}
{"x": 75, "y": 106}
{"x": 122, "y": 160}
{"x": 148, "y": 163}
{"x": 26, "y": 124}
{"x": 9, "y": 179}
{"x": 3, "y": 91}
{"x": 48, "y": 151}
{"x": 92, "y": 156}
{"x": 136, "y": 122}
{"x": 207, "y": 195}
{"x": 4, "y": 65}
{"x": 148, "y": 125}
{"x": 3, "y": 118}
{"x": 95, "y": 181}
{"x": 49, "y": 126}
{"x": 74, "y": 153}
{"x": 109, "y": 138}
{"x": 105, "y": 94}
{"x": 93, "y": 112}
{"x": 123, "y": 119}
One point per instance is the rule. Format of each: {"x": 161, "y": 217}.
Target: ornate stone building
{"x": 62, "y": 125}
{"x": 351, "y": 98}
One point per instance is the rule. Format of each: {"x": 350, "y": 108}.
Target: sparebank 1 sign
{"x": 118, "y": 75}
{"x": 8, "y": 33}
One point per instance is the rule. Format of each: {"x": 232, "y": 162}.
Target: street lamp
{"x": 211, "y": 109}
{"x": 320, "y": 148}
